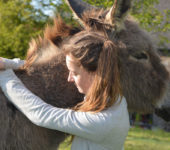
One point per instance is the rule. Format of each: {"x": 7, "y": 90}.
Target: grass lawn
{"x": 140, "y": 139}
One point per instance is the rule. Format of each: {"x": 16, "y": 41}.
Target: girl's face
{"x": 79, "y": 75}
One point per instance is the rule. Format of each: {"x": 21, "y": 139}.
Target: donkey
{"x": 45, "y": 74}
{"x": 139, "y": 51}
{"x": 143, "y": 77}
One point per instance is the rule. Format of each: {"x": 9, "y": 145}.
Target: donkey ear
{"x": 118, "y": 12}
{"x": 78, "y": 7}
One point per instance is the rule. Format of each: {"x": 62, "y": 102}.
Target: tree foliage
{"x": 151, "y": 19}
{"x": 18, "y": 23}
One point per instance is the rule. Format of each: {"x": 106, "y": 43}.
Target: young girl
{"x": 101, "y": 121}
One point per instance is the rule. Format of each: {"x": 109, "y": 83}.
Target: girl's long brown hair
{"x": 95, "y": 53}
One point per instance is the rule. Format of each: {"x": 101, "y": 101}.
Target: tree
{"x": 151, "y": 19}
{"x": 19, "y": 22}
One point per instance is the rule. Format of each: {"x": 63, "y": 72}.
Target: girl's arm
{"x": 83, "y": 124}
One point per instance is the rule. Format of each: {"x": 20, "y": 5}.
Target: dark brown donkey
{"x": 143, "y": 77}
{"x": 45, "y": 74}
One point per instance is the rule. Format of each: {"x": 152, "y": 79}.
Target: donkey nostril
{"x": 100, "y": 17}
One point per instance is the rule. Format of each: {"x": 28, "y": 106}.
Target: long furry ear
{"x": 78, "y": 7}
{"x": 117, "y": 13}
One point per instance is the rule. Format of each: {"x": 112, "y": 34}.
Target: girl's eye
{"x": 74, "y": 73}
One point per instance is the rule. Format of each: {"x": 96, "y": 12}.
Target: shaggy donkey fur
{"x": 143, "y": 77}
{"x": 45, "y": 74}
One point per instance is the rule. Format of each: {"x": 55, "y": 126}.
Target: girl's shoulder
{"x": 117, "y": 110}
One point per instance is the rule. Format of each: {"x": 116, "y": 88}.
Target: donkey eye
{"x": 141, "y": 55}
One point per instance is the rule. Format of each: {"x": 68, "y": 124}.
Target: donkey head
{"x": 143, "y": 77}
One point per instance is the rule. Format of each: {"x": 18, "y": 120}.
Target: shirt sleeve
{"x": 82, "y": 124}
{"x": 13, "y": 63}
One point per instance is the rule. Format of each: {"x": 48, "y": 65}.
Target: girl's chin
{"x": 80, "y": 91}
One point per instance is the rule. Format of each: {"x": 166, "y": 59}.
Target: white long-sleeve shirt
{"x": 106, "y": 130}
{"x": 13, "y": 63}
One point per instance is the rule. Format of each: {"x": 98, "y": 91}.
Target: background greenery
{"x": 140, "y": 139}
{"x": 20, "y": 21}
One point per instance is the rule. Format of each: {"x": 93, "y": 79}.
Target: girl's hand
{"x": 2, "y": 66}
{"x": 10, "y": 63}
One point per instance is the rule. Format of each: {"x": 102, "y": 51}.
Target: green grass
{"x": 140, "y": 139}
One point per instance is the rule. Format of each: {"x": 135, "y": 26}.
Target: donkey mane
{"x": 42, "y": 49}
{"x": 94, "y": 20}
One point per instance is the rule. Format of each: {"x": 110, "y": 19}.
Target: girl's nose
{"x": 70, "y": 77}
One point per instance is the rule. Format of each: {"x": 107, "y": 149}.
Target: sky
{"x": 48, "y": 11}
